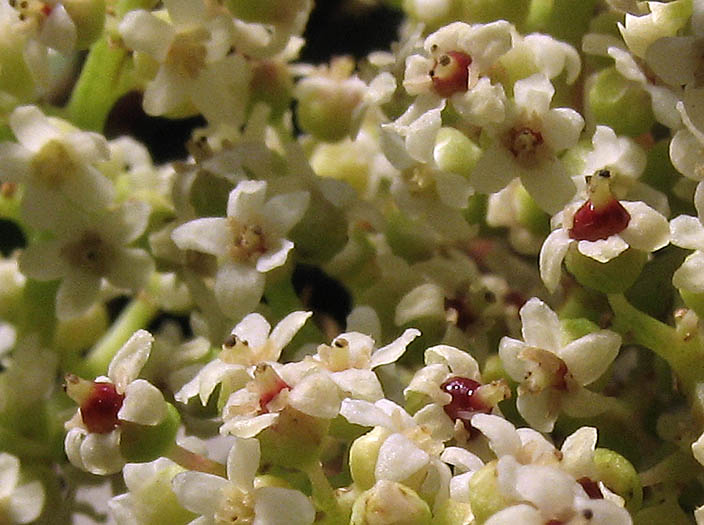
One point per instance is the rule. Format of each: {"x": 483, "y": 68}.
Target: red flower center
{"x": 99, "y": 410}
{"x": 450, "y": 73}
{"x": 592, "y": 223}
{"x": 465, "y": 403}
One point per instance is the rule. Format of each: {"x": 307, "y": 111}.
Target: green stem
{"x": 683, "y": 354}
{"x": 324, "y": 495}
{"x": 136, "y": 315}
{"x": 192, "y": 461}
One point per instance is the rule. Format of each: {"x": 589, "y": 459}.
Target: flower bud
{"x": 363, "y": 455}
{"x": 615, "y": 276}
{"x": 455, "y": 152}
{"x": 484, "y": 494}
{"x": 619, "y": 103}
{"x": 82, "y": 332}
{"x": 271, "y": 84}
{"x": 140, "y": 443}
{"x": 617, "y": 473}
{"x": 390, "y": 503}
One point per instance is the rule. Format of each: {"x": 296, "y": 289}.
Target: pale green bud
{"x": 615, "y": 276}
{"x": 455, "y": 152}
{"x": 484, "y": 494}
{"x": 363, "y": 455}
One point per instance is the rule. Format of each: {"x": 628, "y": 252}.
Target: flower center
{"x": 99, "y": 403}
{"x": 187, "y": 53}
{"x": 52, "y": 164}
{"x": 524, "y": 144}
{"x": 90, "y": 253}
{"x": 450, "y": 73}
{"x": 544, "y": 370}
{"x": 464, "y": 402}
{"x": 268, "y": 385}
{"x": 602, "y": 215}
{"x": 248, "y": 240}
{"x": 236, "y": 506}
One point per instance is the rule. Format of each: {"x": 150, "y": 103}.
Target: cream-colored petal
{"x": 142, "y": 31}
{"x": 588, "y": 357}
{"x": 502, "y": 436}
{"x": 552, "y": 253}
{"x": 199, "y": 492}
{"x": 690, "y": 276}
{"x": 130, "y": 359}
{"x": 243, "y": 462}
{"x": 282, "y": 506}
{"x": 540, "y": 410}
{"x": 101, "y": 453}
{"x": 603, "y": 250}
{"x": 144, "y": 404}
{"x": 541, "y": 327}
{"x": 399, "y": 458}
{"x": 207, "y": 235}
{"x": 687, "y": 232}
{"x": 246, "y": 202}
{"x": 549, "y": 185}
{"x": 394, "y": 350}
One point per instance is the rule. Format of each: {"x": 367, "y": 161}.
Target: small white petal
{"x": 147, "y": 33}
{"x": 502, "y": 436}
{"x": 317, "y": 396}
{"x": 541, "y": 327}
{"x": 522, "y": 513}
{"x": 549, "y": 185}
{"x": 26, "y": 503}
{"x": 198, "y": 492}
{"x": 100, "y": 453}
{"x": 207, "y": 235}
{"x": 9, "y": 473}
{"x": 144, "y": 404}
{"x": 603, "y": 250}
{"x": 552, "y": 254}
{"x": 238, "y": 289}
{"x": 365, "y": 413}
{"x": 275, "y": 256}
{"x": 243, "y": 462}
{"x": 283, "y": 212}
{"x": 509, "y": 350}
{"x": 690, "y": 276}
{"x": 461, "y": 363}
{"x": 359, "y": 384}
{"x": 534, "y": 93}
{"x": 246, "y": 201}
{"x": 391, "y": 352}
{"x": 578, "y": 452}
{"x": 540, "y": 410}
{"x": 549, "y": 489}
{"x": 77, "y": 293}
{"x": 286, "y": 329}
{"x": 399, "y": 458}
{"x": 588, "y": 357}
{"x": 32, "y": 128}
{"x": 687, "y": 232}
{"x": 250, "y": 426}
{"x": 129, "y": 360}
{"x": 280, "y": 506}
{"x": 647, "y": 230}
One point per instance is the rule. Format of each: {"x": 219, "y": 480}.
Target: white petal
{"x": 647, "y": 230}
{"x": 246, "y": 201}
{"x": 100, "y": 453}
{"x": 243, "y": 462}
{"x": 603, "y": 250}
{"x": 186, "y": 12}
{"x": 26, "y": 503}
{"x": 548, "y": 488}
{"x": 129, "y": 360}
{"x": 509, "y": 349}
{"x": 131, "y": 268}
{"x": 58, "y": 31}
{"x": 275, "y": 255}
{"x": 502, "y": 436}
{"x": 166, "y": 92}
{"x": 522, "y": 513}
{"x": 138, "y": 475}
{"x": 399, "y": 458}
{"x": 317, "y": 396}
{"x": 578, "y": 452}
{"x": 32, "y": 128}
{"x": 549, "y": 185}
{"x": 238, "y": 289}
{"x": 534, "y": 93}
{"x": 552, "y": 254}
{"x": 43, "y": 261}
{"x": 280, "y": 506}
{"x": 541, "y": 327}
{"x": 686, "y": 154}
{"x": 198, "y": 492}
{"x": 584, "y": 403}
{"x": 283, "y": 212}
{"x": 561, "y": 128}
{"x": 462, "y": 459}
{"x": 208, "y": 235}
{"x": 540, "y": 410}
{"x": 147, "y": 33}
{"x": 9, "y": 473}
{"x": 673, "y": 59}
{"x": 254, "y": 329}
{"x": 286, "y": 329}
{"x": 364, "y": 413}
{"x": 604, "y": 511}
{"x": 77, "y": 292}
{"x": 687, "y": 232}
{"x": 494, "y": 170}
{"x": 459, "y": 362}
{"x": 690, "y": 276}
{"x": 588, "y": 357}
{"x": 453, "y": 189}
{"x": 250, "y": 426}
{"x": 391, "y": 352}
{"x": 144, "y": 404}
{"x": 359, "y": 384}
{"x": 15, "y": 166}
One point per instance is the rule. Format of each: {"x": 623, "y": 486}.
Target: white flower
{"x": 527, "y": 143}
{"x": 19, "y": 503}
{"x": 56, "y": 164}
{"x": 410, "y": 444}
{"x": 602, "y": 228}
{"x": 86, "y": 249}
{"x": 93, "y": 439}
{"x": 251, "y": 342}
{"x": 543, "y": 493}
{"x": 238, "y": 498}
{"x": 552, "y": 375}
{"x": 248, "y": 242}
{"x": 193, "y": 51}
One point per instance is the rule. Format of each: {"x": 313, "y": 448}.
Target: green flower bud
{"x": 15, "y": 77}
{"x": 89, "y": 18}
{"x": 455, "y": 152}
{"x": 548, "y": 16}
{"x": 484, "y": 494}
{"x": 141, "y": 443}
{"x": 82, "y": 332}
{"x": 617, "y": 473}
{"x": 451, "y": 512}
{"x": 620, "y": 103}
{"x": 390, "y": 503}
{"x": 363, "y": 455}
{"x": 615, "y": 276}
{"x": 327, "y": 100}
{"x": 406, "y": 238}
{"x": 272, "y": 84}
{"x": 342, "y": 161}
{"x": 295, "y": 440}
